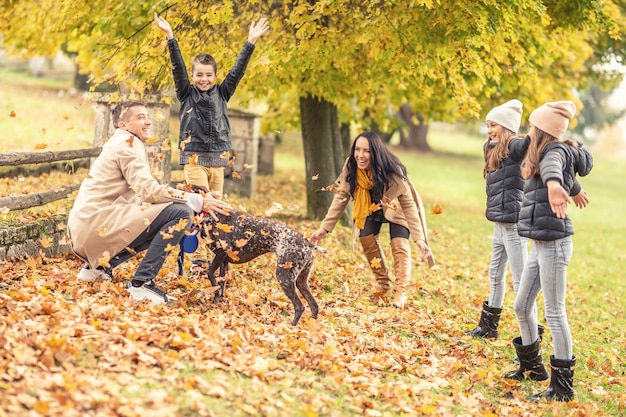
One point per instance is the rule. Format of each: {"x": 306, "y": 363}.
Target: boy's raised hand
{"x": 164, "y": 26}
{"x": 256, "y": 30}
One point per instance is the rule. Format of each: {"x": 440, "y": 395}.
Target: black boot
{"x": 540, "y": 330}
{"x": 561, "y": 381}
{"x": 488, "y": 324}
{"x": 530, "y": 361}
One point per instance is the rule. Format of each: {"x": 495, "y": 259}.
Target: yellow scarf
{"x": 362, "y": 200}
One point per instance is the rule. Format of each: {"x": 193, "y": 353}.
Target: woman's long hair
{"x": 382, "y": 164}
{"x": 538, "y": 142}
{"x": 494, "y": 155}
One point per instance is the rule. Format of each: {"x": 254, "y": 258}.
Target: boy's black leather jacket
{"x": 204, "y": 125}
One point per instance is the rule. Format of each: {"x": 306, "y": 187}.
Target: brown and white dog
{"x": 240, "y": 237}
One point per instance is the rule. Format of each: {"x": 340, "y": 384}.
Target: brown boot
{"x": 401, "y": 251}
{"x": 376, "y": 258}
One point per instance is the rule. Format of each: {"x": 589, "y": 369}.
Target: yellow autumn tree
{"x": 329, "y": 62}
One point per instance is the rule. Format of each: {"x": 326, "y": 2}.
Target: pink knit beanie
{"x": 553, "y": 117}
{"x": 507, "y": 115}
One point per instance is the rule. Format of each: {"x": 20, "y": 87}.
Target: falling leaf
{"x": 41, "y": 146}
{"x": 130, "y": 250}
{"x": 104, "y": 260}
{"x": 374, "y": 207}
{"x": 249, "y": 233}
{"x": 12, "y": 114}
{"x": 224, "y": 227}
{"x": 101, "y": 231}
{"x": 193, "y": 160}
{"x": 286, "y": 265}
{"x": 376, "y": 263}
{"x": 241, "y": 243}
{"x": 232, "y": 254}
{"x": 225, "y": 155}
{"x": 70, "y": 128}
{"x": 45, "y": 242}
{"x": 185, "y": 142}
{"x": 157, "y": 157}
{"x": 247, "y": 166}
{"x": 165, "y": 235}
{"x": 264, "y": 233}
{"x": 130, "y": 141}
{"x": 276, "y": 207}
{"x": 66, "y": 117}
{"x": 231, "y": 162}
{"x": 151, "y": 140}
{"x": 158, "y": 116}
{"x": 315, "y": 177}
{"x": 146, "y": 221}
{"x": 330, "y": 187}
{"x": 181, "y": 225}
{"x": 43, "y": 130}
{"x": 437, "y": 209}
{"x": 236, "y": 175}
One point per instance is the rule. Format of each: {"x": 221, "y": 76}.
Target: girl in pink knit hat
{"x": 550, "y": 169}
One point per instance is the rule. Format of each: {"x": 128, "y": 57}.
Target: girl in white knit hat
{"x": 550, "y": 170}
{"x": 504, "y": 151}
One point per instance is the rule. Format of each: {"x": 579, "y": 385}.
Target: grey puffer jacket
{"x": 505, "y": 186}
{"x": 559, "y": 162}
{"x": 204, "y": 124}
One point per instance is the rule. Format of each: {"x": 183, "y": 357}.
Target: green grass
{"x": 43, "y": 113}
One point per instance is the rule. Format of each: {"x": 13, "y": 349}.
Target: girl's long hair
{"x": 382, "y": 164}
{"x": 495, "y": 155}
{"x": 538, "y": 142}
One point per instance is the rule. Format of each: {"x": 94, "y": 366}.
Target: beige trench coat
{"x": 402, "y": 205}
{"x": 117, "y": 201}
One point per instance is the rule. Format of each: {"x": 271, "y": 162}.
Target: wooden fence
{"x": 21, "y": 240}
{"x": 24, "y": 201}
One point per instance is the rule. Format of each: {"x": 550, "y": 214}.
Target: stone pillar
{"x": 266, "y": 155}
{"x": 158, "y": 150}
{"x": 241, "y": 179}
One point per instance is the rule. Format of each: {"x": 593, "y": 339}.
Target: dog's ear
{"x": 200, "y": 189}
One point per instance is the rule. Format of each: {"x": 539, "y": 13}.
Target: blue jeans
{"x": 546, "y": 270}
{"x": 155, "y": 239}
{"x": 509, "y": 248}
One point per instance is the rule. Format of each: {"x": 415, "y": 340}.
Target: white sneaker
{"x": 151, "y": 292}
{"x": 86, "y": 273}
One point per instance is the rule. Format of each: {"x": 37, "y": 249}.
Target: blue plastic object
{"x": 189, "y": 242}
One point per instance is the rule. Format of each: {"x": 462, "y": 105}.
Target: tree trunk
{"x": 415, "y": 138}
{"x": 323, "y": 152}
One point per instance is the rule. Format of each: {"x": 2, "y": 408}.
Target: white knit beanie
{"x": 507, "y": 115}
{"x": 553, "y": 117}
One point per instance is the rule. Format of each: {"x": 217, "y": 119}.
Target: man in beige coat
{"x": 121, "y": 210}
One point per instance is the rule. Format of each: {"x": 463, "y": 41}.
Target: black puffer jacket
{"x": 505, "y": 186}
{"x": 559, "y": 162}
{"x": 204, "y": 114}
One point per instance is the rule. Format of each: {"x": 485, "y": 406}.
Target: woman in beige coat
{"x": 121, "y": 209}
{"x": 382, "y": 193}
